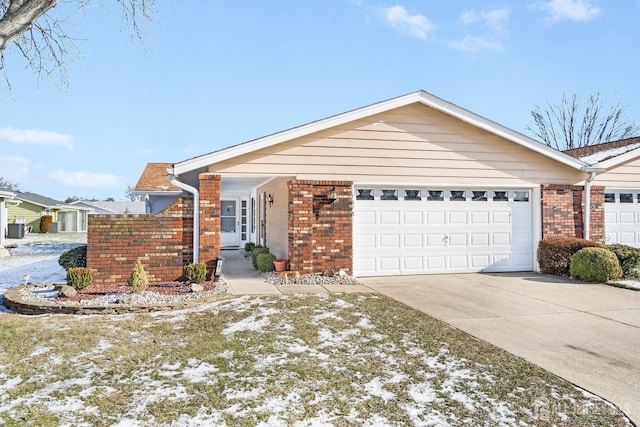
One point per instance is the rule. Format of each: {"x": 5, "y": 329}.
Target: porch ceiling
{"x": 240, "y": 183}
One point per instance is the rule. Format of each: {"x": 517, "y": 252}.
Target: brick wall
{"x": 163, "y": 243}
{"x": 320, "y": 232}
{"x": 209, "y": 219}
{"x": 562, "y": 211}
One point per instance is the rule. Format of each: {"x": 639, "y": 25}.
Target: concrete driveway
{"x": 588, "y": 334}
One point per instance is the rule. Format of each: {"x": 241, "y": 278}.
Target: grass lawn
{"x": 291, "y": 360}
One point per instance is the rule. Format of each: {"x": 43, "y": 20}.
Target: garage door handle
{"x": 445, "y": 238}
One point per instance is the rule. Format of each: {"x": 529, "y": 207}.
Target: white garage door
{"x": 622, "y": 216}
{"x": 410, "y": 230}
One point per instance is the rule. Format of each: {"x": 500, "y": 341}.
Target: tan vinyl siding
{"x": 410, "y": 144}
{"x": 277, "y": 216}
{"x": 623, "y": 176}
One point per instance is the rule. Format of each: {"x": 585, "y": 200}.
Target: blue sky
{"x": 213, "y": 74}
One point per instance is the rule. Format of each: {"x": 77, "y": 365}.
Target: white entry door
{"x": 413, "y": 230}
{"x": 622, "y": 216}
{"x": 229, "y": 223}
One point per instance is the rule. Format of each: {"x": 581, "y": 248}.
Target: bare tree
{"x": 39, "y": 37}
{"x": 6, "y": 184}
{"x": 130, "y": 193}
{"x": 572, "y": 124}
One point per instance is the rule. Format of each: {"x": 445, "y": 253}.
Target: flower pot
{"x": 280, "y": 264}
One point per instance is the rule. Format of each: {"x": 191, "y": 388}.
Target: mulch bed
{"x": 165, "y": 288}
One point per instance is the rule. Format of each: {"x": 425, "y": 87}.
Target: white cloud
{"x": 36, "y": 137}
{"x": 476, "y": 44}
{"x": 572, "y": 10}
{"x": 86, "y": 179}
{"x": 15, "y": 168}
{"x": 414, "y": 25}
{"x": 494, "y": 18}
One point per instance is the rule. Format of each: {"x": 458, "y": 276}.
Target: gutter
{"x": 173, "y": 179}
{"x": 587, "y": 201}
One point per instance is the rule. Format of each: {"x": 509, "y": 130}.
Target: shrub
{"x": 595, "y": 265}
{"x": 46, "y": 221}
{"x": 629, "y": 258}
{"x": 79, "y": 277}
{"x": 195, "y": 273}
{"x": 264, "y": 262}
{"x": 73, "y": 258}
{"x": 255, "y": 252}
{"x": 554, "y": 253}
{"x": 248, "y": 247}
{"x": 138, "y": 279}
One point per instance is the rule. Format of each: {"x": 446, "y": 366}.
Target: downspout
{"x": 587, "y": 205}
{"x": 173, "y": 179}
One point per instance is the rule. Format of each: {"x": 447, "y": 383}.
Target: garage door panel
{"x": 626, "y": 218}
{"x": 436, "y": 234}
{"x": 622, "y": 217}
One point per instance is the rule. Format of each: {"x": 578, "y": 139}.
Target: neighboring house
{"x": 411, "y": 185}
{"x": 620, "y": 165}
{"x": 4, "y": 196}
{"x": 28, "y": 208}
{"x": 106, "y": 208}
{"x": 154, "y": 187}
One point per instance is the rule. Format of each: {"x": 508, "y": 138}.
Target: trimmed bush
{"x": 79, "y": 277}
{"x": 138, "y": 279}
{"x": 255, "y": 252}
{"x": 248, "y": 247}
{"x": 554, "y": 253}
{"x": 46, "y": 221}
{"x": 264, "y": 262}
{"x": 629, "y": 258}
{"x": 595, "y": 265}
{"x": 195, "y": 273}
{"x": 73, "y": 258}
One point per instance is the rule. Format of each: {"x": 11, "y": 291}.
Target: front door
{"x": 229, "y": 234}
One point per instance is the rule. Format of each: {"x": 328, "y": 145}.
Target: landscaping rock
{"x": 196, "y": 287}
{"x": 67, "y": 291}
{"x": 285, "y": 275}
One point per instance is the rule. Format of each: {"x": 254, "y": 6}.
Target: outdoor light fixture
{"x": 333, "y": 194}
{"x": 270, "y": 200}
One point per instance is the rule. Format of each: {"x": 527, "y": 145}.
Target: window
{"x": 626, "y": 197}
{"x": 435, "y": 195}
{"x": 364, "y": 194}
{"x": 520, "y": 196}
{"x": 389, "y": 195}
{"x": 457, "y": 196}
{"x": 479, "y": 196}
{"x": 412, "y": 195}
{"x": 500, "y": 196}
{"x": 609, "y": 198}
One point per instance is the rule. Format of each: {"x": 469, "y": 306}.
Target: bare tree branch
{"x": 570, "y": 124}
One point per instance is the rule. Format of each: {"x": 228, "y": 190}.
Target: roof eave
{"x": 615, "y": 161}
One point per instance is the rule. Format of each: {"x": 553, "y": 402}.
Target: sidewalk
{"x": 243, "y": 279}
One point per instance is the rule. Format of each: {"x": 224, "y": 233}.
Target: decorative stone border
{"x": 14, "y": 302}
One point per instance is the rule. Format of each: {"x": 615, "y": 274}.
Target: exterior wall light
{"x": 270, "y": 200}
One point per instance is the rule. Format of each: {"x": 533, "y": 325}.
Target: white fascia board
{"x": 7, "y": 194}
{"x": 618, "y": 160}
{"x": 422, "y": 97}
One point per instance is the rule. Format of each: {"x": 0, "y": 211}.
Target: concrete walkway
{"x": 588, "y": 334}
{"x": 243, "y": 279}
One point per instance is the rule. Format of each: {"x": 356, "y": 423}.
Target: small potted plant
{"x": 281, "y": 264}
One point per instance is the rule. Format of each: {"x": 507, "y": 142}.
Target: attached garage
{"x": 420, "y": 230}
{"x": 622, "y": 216}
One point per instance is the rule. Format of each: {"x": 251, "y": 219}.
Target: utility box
{"x": 55, "y": 227}
{"x": 15, "y": 231}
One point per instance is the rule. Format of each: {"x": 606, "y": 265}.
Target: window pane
{"x": 228, "y": 224}
{"x": 228, "y": 207}
{"x": 412, "y": 194}
{"x": 479, "y": 196}
{"x": 435, "y": 195}
{"x": 520, "y": 196}
{"x": 626, "y": 198}
{"x": 500, "y": 196}
{"x": 364, "y": 195}
{"x": 389, "y": 195}
{"x": 609, "y": 198}
{"x": 457, "y": 196}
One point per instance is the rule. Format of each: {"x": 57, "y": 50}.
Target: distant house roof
{"x": 607, "y": 151}
{"x": 154, "y": 179}
{"x": 37, "y": 199}
{"x": 121, "y": 207}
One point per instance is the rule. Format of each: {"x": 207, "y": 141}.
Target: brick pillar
{"x": 209, "y": 219}
{"x": 563, "y": 211}
{"x": 320, "y": 231}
